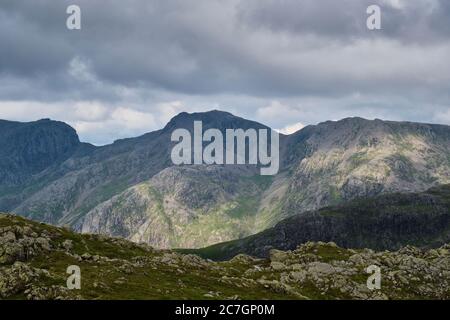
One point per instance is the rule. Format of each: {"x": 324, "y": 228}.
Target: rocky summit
{"x": 34, "y": 259}
{"x": 131, "y": 188}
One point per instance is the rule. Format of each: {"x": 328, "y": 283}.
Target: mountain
{"x": 64, "y": 193}
{"x": 131, "y": 188}
{"x": 29, "y": 148}
{"x": 327, "y": 164}
{"x": 183, "y": 207}
{"x": 385, "y": 222}
{"x": 339, "y": 161}
{"x": 34, "y": 259}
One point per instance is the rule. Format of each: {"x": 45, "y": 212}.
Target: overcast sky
{"x": 286, "y": 63}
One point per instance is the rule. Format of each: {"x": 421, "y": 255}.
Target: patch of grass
{"x": 246, "y": 205}
{"x": 329, "y": 253}
{"x": 358, "y": 159}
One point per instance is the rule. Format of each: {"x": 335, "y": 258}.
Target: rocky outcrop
{"x": 327, "y": 269}
{"x": 21, "y": 243}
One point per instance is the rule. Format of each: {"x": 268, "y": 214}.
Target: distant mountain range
{"x": 131, "y": 189}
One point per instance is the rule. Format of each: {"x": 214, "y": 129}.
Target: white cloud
{"x": 30, "y": 110}
{"x": 289, "y": 129}
{"x": 442, "y": 116}
{"x": 279, "y": 114}
{"x": 133, "y": 119}
{"x": 120, "y": 123}
{"x": 90, "y": 111}
{"x": 167, "y": 110}
{"x": 80, "y": 70}
{"x": 397, "y": 4}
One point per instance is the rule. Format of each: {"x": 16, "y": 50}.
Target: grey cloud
{"x": 345, "y": 20}
{"x": 239, "y": 54}
{"x": 210, "y": 47}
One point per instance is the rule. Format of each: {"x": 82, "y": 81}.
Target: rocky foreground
{"x": 34, "y": 259}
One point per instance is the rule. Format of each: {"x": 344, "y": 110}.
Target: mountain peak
{"x": 30, "y": 147}
{"x": 207, "y": 115}
{"x": 212, "y": 119}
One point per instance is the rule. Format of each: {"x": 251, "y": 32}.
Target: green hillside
{"x": 34, "y": 258}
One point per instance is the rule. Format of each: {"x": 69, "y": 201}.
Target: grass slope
{"x": 34, "y": 258}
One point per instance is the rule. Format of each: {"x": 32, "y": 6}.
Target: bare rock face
{"x": 29, "y": 148}
{"x": 182, "y": 207}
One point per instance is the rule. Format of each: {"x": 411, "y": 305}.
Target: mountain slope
{"x": 330, "y": 163}
{"x": 355, "y": 157}
{"x": 383, "y": 222}
{"x": 184, "y": 207}
{"x": 34, "y": 259}
{"x": 63, "y": 194}
{"x": 128, "y": 188}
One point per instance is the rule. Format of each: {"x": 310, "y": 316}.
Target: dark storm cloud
{"x": 412, "y": 20}
{"x": 246, "y": 52}
{"x": 220, "y": 46}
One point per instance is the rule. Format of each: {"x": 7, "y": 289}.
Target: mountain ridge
{"x": 324, "y": 164}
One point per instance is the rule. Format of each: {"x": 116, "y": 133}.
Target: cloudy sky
{"x": 286, "y": 63}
